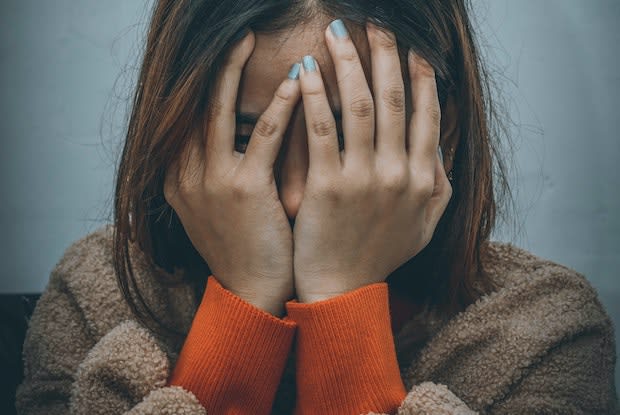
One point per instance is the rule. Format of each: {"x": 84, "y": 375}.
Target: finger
{"x": 442, "y": 193}
{"x": 389, "y": 91}
{"x": 221, "y": 115}
{"x": 324, "y": 154}
{"x": 425, "y": 121}
{"x": 358, "y": 112}
{"x": 267, "y": 135}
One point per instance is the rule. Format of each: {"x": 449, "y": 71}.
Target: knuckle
{"x": 433, "y": 112}
{"x": 283, "y": 94}
{"x": 348, "y": 54}
{"x": 323, "y": 127}
{"x": 328, "y": 189}
{"x": 314, "y": 90}
{"x": 385, "y": 40}
{"x": 394, "y": 98}
{"x": 266, "y": 126}
{"x": 396, "y": 179}
{"x": 362, "y": 107}
{"x": 241, "y": 189}
{"x": 424, "y": 185}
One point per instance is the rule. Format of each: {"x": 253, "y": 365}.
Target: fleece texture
{"x": 541, "y": 344}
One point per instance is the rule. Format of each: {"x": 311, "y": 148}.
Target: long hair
{"x": 186, "y": 46}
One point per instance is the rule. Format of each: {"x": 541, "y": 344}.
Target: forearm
{"x": 346, "y": 357}
{"x": 234, "y": 354}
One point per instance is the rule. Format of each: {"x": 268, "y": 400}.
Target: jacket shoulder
{"x": 81, "y": 339}
{"x": 533, "y": 285}
{"x": 85, "y": 272}
{"x": 511, "y": 266}
{"x": 540, "y": 310}
{"x": 91, "y": 250}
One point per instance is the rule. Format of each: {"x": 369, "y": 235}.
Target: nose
{"x": 291, "y": 171}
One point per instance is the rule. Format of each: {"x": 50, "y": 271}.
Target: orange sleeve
{"x": 346, "y": 359}
{"x": 234, "y": 354}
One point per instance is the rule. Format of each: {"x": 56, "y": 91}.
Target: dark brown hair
{"x": 185, "y": 47}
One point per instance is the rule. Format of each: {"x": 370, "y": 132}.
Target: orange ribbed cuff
{"x": 346, "y": 359}
{"x": 234, "y": 354}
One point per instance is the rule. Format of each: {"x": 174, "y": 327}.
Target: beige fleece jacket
{"x": 541, "y": 344}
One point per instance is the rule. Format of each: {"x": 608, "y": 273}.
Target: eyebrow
{"x": 252, "y": 117}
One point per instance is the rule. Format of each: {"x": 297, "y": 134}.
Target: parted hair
{"x": 186, "y": 45}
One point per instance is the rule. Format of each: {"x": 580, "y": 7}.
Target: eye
{"x": 242, "y": 141}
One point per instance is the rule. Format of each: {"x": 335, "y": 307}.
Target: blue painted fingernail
{"x": 440, "y": 154}
{"x": 338, "y": 29}
{"x": 294, "y": 72}
{"x": 309, "y": 63}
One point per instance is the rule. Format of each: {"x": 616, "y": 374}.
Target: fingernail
{"x": 338, "y": 29}
{"x": 309, "y": 63}
{"x": 294, "y": 72}
{"x": 439, "y": 151}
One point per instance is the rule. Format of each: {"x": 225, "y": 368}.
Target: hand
{"x": 228, "y": 202}
{"x": 370, "y": 209}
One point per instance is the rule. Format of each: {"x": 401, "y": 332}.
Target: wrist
{"x": 273, "y": 305}
{"x": 316, "y": 297}
{"x": 275, "y": 308}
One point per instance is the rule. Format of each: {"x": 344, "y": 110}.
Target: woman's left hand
{"x": 371, "y": 208}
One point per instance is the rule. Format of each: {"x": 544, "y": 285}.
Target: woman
{"x": 301, "y": 244}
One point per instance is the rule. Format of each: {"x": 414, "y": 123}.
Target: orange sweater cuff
{"x": 234, "y": 354}
{"x": 346, "y": 359}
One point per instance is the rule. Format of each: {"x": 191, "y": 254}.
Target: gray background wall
{"x": 67, "y": 68}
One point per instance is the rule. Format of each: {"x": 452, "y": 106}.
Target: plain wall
{"x": 66, "y": 74}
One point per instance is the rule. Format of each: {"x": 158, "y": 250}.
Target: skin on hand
{"x": 236, "y": 207}
{"x": 374, "y": 206}
{"x": 228, "y": 202}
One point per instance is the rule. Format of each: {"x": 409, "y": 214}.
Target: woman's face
{"x": 267, "y": 67}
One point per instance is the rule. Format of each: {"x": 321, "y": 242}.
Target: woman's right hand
{"x": 228, "y": 202}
